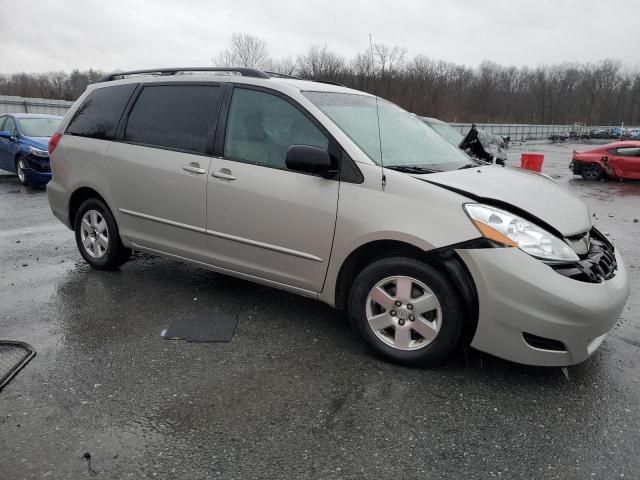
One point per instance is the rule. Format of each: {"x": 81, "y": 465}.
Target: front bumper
{"x": 576, "y": 166}
{"x": 35, "y": 177}
{"x": 518, "y": 294}
{"x": 39, "y": 171}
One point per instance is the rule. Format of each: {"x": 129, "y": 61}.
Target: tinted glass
{"x": 2, "y": 119}
{"x": 98, "y": 116}
{"x": 39, "y": 127}
{"x": 629, "y": 152}
{"x": 405, "y": 139}
{"x": 174, "y": 116}
{"x": 261, "y": 127}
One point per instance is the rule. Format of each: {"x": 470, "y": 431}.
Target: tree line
{"x": 601, "y": 93}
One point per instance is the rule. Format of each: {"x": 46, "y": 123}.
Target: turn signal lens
{"x": 493, "y": 234}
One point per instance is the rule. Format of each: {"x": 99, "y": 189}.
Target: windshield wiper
{"x": 413, "y": 169}
{"x": 469, "y": 165}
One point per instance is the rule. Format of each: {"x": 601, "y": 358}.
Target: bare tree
{"x": 597, "y": 93}
{"x": 319, "y": 62}
{"x": 246, "y": 51}
{"x": 389, "y": 59}
{"x": 285, "y": 66}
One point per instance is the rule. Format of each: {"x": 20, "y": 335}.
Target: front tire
{"x": 97, "y": 236}
{"x": 406, "y": 311}
{"x": 592, "y": 171}
{"x": 21, "y": 164}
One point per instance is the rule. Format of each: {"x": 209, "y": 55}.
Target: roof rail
{"x": 245, "y": 72}
{"x": 329, "y": 82}
{"x": 282, "y": 75}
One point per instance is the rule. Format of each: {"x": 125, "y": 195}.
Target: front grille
{"x": 597, "y": 265}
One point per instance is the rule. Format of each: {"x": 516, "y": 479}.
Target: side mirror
{"x": 308, "y": 159}
{"x": 6, "y": 134}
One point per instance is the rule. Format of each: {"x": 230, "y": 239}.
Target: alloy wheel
{"x": 592, "y": 171}
{"x": 94, "y": 233}
{"x": 20, "y": 170}
{"x": 404, "y": 313}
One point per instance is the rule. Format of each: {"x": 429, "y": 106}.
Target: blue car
{"x": 24, "y": 146}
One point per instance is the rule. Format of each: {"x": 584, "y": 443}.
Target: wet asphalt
{"x": 295, "y": 394}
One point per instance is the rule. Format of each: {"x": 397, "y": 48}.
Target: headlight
{"x": 38, "y": 153}
{"x": 511, "y": 230}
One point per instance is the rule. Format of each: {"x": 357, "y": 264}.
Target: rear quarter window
{"x": 99, "y": 114}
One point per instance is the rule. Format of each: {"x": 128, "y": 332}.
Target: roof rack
{"x": 245, "y": 72}
{"x": 329, "y": 82}
{"x": 282, "y": 75}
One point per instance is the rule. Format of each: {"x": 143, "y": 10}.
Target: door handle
{"x": 224, "y": 173}
{"x": 194, "y": 169}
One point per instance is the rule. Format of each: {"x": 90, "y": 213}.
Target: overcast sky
{"x": 44, "y": 35}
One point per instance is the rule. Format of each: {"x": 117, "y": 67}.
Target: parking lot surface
{"x": 295, "y": 394}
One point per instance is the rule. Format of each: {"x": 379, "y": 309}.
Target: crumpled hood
{"x": 526, "y": 191}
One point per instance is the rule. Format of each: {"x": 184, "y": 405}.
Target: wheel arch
{"x": 445, "y": 260}
{"x": 80, "y": 195}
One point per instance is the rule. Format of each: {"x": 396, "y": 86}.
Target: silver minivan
{"x": 335, "y": 194}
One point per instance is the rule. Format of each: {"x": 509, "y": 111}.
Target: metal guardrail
{"x": 523, "y": 131}
{"x": 519, "y": 131}
{"x": 11, "y": 104}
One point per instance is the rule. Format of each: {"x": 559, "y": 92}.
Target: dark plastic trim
{"x": 282, "y": 75}
{"x": 245, "y": 72}
{"x": 542, "y": 343}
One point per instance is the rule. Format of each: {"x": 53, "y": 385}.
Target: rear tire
{"x": 406, "y": 311}
{"x": 21, "y": 164}
{"x": 592, "y": 171}
{"x": 97, "y": 236}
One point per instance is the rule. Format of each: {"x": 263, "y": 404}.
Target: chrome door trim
{"x": 162, "y": 220}
{"x": 226, "y": 271}
{"x": 267, "y": 246}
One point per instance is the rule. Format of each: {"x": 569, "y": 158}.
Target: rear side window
{"x": 98, "y": 116}
{"x": 180, "y": 117}
{"x": 628, "y": 151}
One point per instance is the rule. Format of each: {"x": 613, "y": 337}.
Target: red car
{"x": 616, "y": 160}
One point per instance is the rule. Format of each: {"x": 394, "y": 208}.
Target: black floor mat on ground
{"x": 203, "y": 327}
{"x": 13, "y": 356}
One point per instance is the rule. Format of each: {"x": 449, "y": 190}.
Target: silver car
{"x": 337, "y": 195}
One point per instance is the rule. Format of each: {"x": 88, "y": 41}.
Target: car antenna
{"x": 375, "y": 93}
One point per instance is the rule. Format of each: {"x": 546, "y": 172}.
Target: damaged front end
{"x": 597, "y": 258}
{"x": 484, "y": 146}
